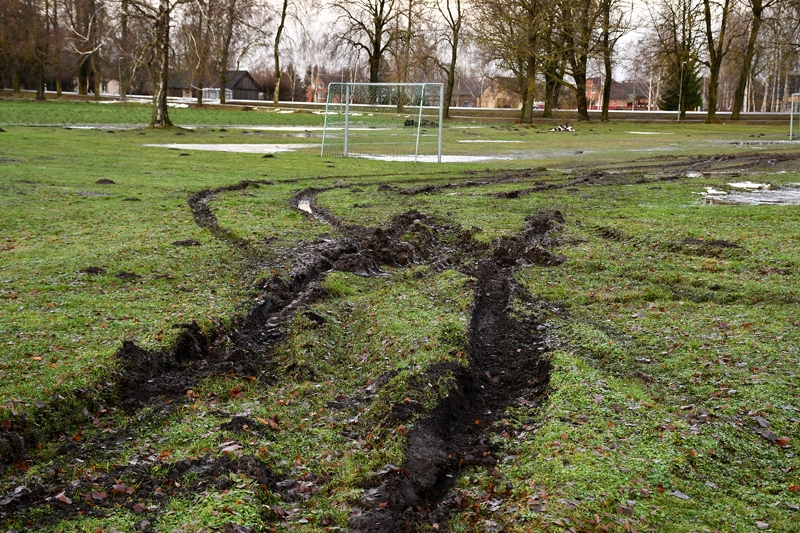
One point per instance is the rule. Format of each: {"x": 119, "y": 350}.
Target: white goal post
{"x": 385, "y": 121}
{"x": 794, "y": 111}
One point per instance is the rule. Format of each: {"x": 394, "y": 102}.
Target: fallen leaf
{"x": 99, "y": 495}
{"x": 679, "y": 494}
{"x": 762, "y": 525}
{"x": 63, "y": 498}
{"x": 138, "y": 508}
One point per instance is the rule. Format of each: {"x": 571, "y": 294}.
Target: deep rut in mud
{"x": 505, "y": 363}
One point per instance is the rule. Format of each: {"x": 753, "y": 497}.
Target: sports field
{"x": 588, "y": 331}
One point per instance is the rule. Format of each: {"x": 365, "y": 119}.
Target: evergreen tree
{"x": 692, "y": 91}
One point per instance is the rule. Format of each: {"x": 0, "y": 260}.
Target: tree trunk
{"x": 530, "y": 90}
{"x": 40, "y": 67}
{"x": 276, "y": 54}
{"x": 123, "y": 57}
{"x": 451, "y": 76}
{"x": 579, "y": 75}
{"x": 744, "y": 75}
{"x": 98, "y": 82}
{"x": 606, "y": 7}
{"x": 716, "y": 53}
{"x": 607, "y": 85}
{"x": 83, "y": 75}
{"x": 160, "y": 117}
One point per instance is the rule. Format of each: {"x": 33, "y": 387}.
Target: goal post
{"x": 794, "y": 115}
{"x": 386, "y": 121}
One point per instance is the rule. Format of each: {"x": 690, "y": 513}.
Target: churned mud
{"x": 506, "y": 363}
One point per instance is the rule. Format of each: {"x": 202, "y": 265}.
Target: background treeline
{"x": 738, "y": 55}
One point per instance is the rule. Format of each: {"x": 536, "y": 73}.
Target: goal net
{"x": 386, "y": 121}
{"x": 794, "y": 116}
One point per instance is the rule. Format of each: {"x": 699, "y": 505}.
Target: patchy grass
{"x": 70, "y": 113}
{"x": 673, "y": 401}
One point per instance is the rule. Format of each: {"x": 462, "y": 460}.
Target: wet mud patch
{"x": 715, "y": 248}
{"x": 506, "y": 362}
{"x": 145, "y": 488}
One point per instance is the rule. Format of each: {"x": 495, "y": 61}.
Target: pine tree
{"x": 692, "y": 87}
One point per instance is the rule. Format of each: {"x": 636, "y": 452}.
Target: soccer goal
{"x": 794, "y": 115}
{"x": 386, "y": 121}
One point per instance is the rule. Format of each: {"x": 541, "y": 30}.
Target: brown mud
{"x": 505, "y": 363}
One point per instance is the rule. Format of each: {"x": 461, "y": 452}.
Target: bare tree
{"x": 678, "y": 32}
{"x": 577, "y": 22}
{"x": 158, "y": 15}
{"x": 276, "y": 50}
{"x": 717, "y": 45}
{"x": 86, "y": 20}
{"x": 366, "y": 25}
{"x": 615, "y": 21}
{"x": 513, "y": 36}
{"x": 757, "y": 9}
{"x": 452, "y": 14}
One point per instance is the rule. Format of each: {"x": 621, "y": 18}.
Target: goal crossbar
{"x": 388, "y": 121}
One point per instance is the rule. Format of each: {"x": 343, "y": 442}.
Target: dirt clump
{"x": 187, "y": 242}
{"x": 126, "y": 275}
{"x": 93, "y": 270}
{"x": 105, "y": 181}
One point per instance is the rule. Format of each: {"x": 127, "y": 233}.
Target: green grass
{"x": 667, "y": 352}
{"x": 70, "y": 113}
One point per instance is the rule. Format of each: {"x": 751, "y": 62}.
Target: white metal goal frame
{"x": 794, "y": 111}
{"x": 384, "y": 121}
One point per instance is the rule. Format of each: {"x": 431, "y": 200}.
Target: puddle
{"x": 299, "y": 128}
{"x": 304, "y": 205}
{"x": 650, "y": 133}
{"x": 487, "y": 141}
{"x": 788, "y": 195}
{"x": 434, "y": 159}
{"x": 238, "y": 148}
{"x": 750, "y": 186}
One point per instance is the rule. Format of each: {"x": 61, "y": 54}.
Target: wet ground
{"x": 506, "y": 356}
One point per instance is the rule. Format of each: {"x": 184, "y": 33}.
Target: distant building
{"x": 631, "y": 95}
{"x": 503, "y": 93}
{"x": 241, "y": 84}
{"x": 317, "y": 90}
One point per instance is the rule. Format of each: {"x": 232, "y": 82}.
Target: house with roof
{"x": 631, "y": 95}
{"x": 317, "y": 90}
{"x": 502, "y": 92}
{"x": 241, "y": 85}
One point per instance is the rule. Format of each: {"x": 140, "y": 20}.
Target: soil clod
{"x": 186, "y": 242}
{"x": 105, "y": 181}
{"x": 93, "y": 270}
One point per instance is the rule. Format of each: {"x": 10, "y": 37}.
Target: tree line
{"x": 741, "y": 55}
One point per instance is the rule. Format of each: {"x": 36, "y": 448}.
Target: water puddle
{"x": 487, "y": 141}
{"x": 649, "y": 133}
{"x": 434, "y": 159}
{"x": 304, "y": 205}
{"x": 238, "y": 148}
{"x": 789, "y": 194}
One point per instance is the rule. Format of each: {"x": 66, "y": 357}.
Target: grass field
{"x": 671, "y": 326}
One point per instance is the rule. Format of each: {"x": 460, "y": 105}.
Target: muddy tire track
{"x": 505, "y": 362}
{"x": 149, "y": 377}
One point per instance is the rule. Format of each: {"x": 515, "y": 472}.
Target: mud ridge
{"x": 205, "y": 218}
{"x": 505, "y": 362}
